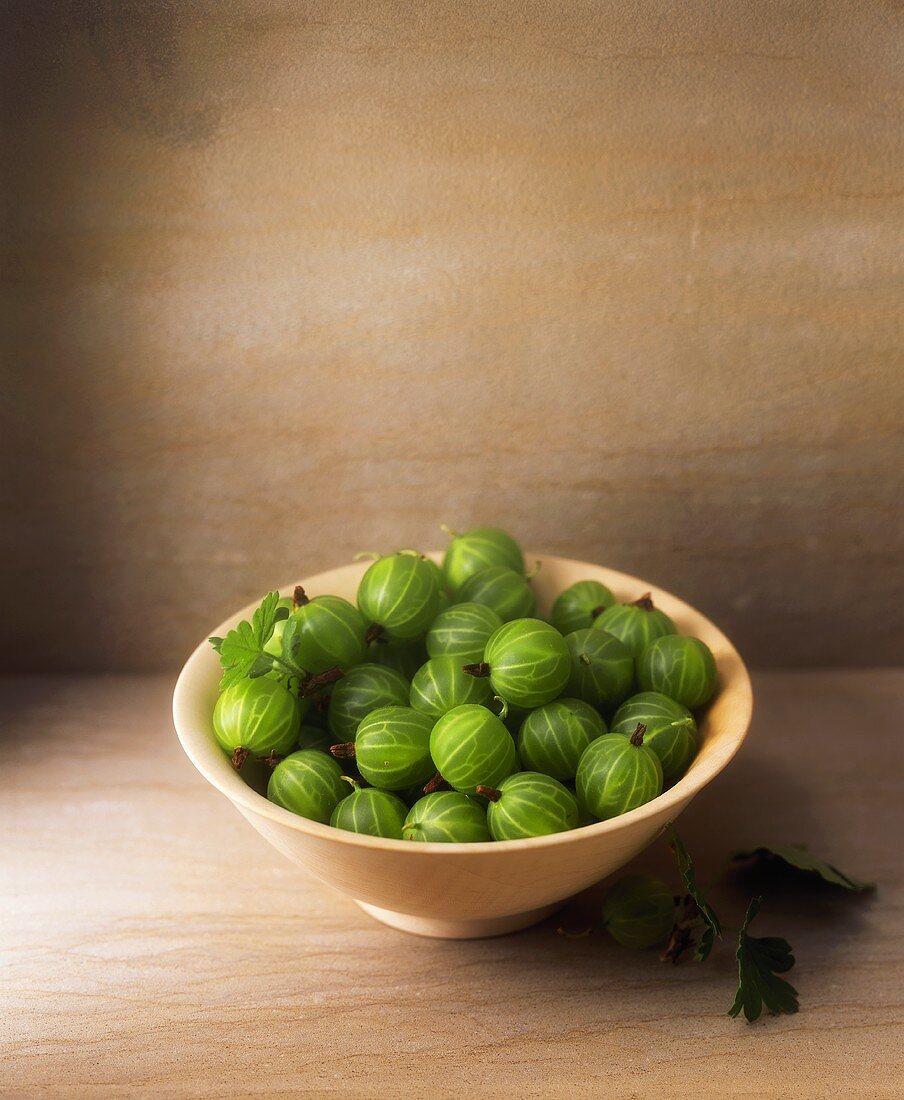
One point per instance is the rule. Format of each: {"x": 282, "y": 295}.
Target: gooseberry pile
{"x": 443, "y": 708}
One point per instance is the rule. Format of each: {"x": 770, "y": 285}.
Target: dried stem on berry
{"x": 644, "y": 602}
{"x": 597, "y": 611}
{"x": 637, "y": 735}
{"x": 239, "y": 756}
{"x": 271, "y": 759}
{"x": 312, "y": 684}
{"x": 299, "y": 597}
{"x": 344, "y": 751}
{"x": 481, "y": 668}
{"x": 488, "y": 792}
{"x": 433, "y": 784}
{"x": 374, "y": 633}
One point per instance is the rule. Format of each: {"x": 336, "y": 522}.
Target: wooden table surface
{"x": 152, "y": 941}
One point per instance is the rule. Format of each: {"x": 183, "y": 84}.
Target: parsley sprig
{"x": 760, "y": 961}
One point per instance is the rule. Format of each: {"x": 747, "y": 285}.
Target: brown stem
{"x": 597, "y": 611}
{"x": 488, "y": 792}
{"x": 299, "y": 597}
{"x": 312, "y": 685}
{"x": 433, "y": 784}
{"x": 644, "y": 602}
{"x": 584, "y": 659}
{"x": 271, "y": 759}
{"x": 481, "y": 668}
{"x": 637, "y": 735}
{"x": 239, "y": 756}
{"x": 374, "y": 633}
{"x": 345, "y": 751}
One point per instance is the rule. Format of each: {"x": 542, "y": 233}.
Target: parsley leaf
{"x": 242, "y": 650}
{"x": 712, "y": 926}
{"x": 797, "y": 856}
{"x": 759, "y": 963}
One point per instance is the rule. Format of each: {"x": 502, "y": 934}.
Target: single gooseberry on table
{"x": 447, "y": 817}
{"x": 440, "y": 685}
{"x": 361, "y": 690}
{"x": 391, "y": 748}
{"x": 682, "y": 668}
{"x": 399, "y": 596}
{"x": 503, "y": 590}
{"x": 578, "y": 605}
{"x": 309, "y": 783}
{"x": 529, "y": 804}
{"x": 553, "y": 737}
{"x": 372, "y": 812}
{"x": 462, "y": 631}
{"x": 601, "y": 668}
{"x": 470, "y": 746}
{"x": 636, "y": 624}
{"x": 477, "y": 550}
{"x": 617, "y": 774}
{"x": 639, "y": 911}
{"x": 257, "y": 716}
{"x": 671, "y": 731}
{"x": 527, "y": 662}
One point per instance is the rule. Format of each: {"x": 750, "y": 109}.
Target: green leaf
{"x": 713, "y": 926}
{"x": 216, "y": 643}
{"x": 797, "y": 856}
{"x": 759, "y": 963}
{"x": 290, "y": 639}
{"x": 242, "y": 650}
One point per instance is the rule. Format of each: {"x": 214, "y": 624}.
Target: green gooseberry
{"x": 636, "y": 624}
{"x": 529, "y": 804}
{"x": 601, "y": 667}
{"x": 585, "y": 817}
{"x": 527, "y": 662}
{"x": 553, "y": 737}
{"x": 314, "y": 737}
{"x": 329, "y": 632}
{"x": 479, "y": 549}
{"x": 257, "y": 716}
{"x": 617, "y": 774}
{"x": 442, "y": 587}
{"x": 399, "y": 596}
{"x": 404, "y": 657}
{"x": 462, "y": 631}
{"x": 471, "y": 746}
{"x": 502, "y": 589}
{"x": 682, "y": 668}
{"x": 440, "y": 685}
{"x": 671, "y": 730}
{"x": 392, "y": 748}
{"x": 447, "y": 817}
{"x": 309, "y": 783}
{"x": 579, "y": 605}
{"x": 371, "y": 811}
{"x": 639, "y": 911}
{"x": 361, "y": 690}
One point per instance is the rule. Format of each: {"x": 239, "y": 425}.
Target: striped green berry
{"x": 309, "y": 783}
{"x": 329, "y": 631}
{"x": 440, "y": 685}
{"x": 617, "y": 774}
{"x": 392, "y": 748}
{"x": 447, "y": 817}
{"x": 579, "y": 605}
{"x": 529, "y": 804}
{"x": 462, "y": 631}
{"x": 684, "y": 669}
{"x": 361, "y": 690}
{"x": 501, "y": 589}
{"x": 405, "y": 657}
{"x": 553, "y": 737}
{"x": 400, "y": 596}
{"x": 528, "y": 662}
{"x": 479, "y": 549}
{"x": 636, "y": 624}
{"x": 256, "y": 716}
{"x": 601, "y": 668}
{"x": 639, "y": 911}
{"x": 372, "y": 812}
{"x": 314, "y": 737}
{"x": 671, "y": 730}
{"x": 470, "y": 746}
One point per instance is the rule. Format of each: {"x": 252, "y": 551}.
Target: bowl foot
{"x": 460, "y": 929}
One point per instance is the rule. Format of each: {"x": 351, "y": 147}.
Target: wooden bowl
{"x": 470, "y": 890}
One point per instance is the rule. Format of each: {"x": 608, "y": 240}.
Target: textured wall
{"x": 289, "y": 280}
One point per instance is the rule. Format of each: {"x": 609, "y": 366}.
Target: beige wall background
{"x": 289, "y": 280}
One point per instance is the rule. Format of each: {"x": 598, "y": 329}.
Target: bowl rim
{"x": 679, "y": 794}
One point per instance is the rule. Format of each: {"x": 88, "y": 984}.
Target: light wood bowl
{"x": 470, "y": 890}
